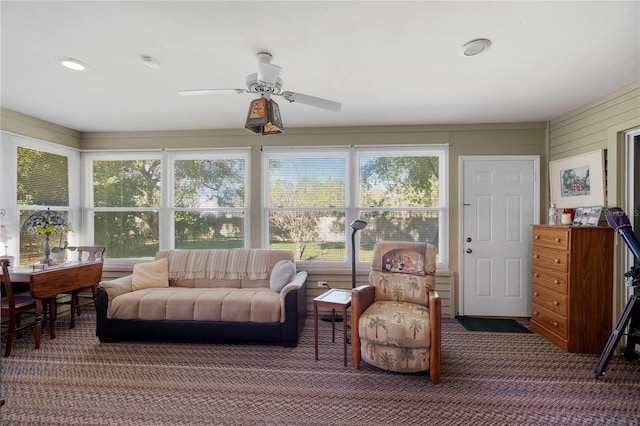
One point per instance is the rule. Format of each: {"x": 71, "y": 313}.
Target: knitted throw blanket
{"x": 252, "y": 264}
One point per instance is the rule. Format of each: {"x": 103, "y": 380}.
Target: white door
{"x": 500, "y": 197}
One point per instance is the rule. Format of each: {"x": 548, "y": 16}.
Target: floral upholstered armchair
{"x": 395, "y": 319}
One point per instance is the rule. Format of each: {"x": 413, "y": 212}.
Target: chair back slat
{"x": 93, "y": 252}
{"x": 6, "y": 284}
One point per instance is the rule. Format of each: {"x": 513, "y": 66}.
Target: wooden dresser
{"x": 571, "y": 286}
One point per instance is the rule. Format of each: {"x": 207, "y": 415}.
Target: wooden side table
{"x": 333, "y": 299}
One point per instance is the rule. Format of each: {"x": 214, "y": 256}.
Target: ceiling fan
{"x": 266, "y": 82}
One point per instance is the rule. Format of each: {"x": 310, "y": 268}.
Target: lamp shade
{"x": 46, "y": 222}
{"x": 264, "y": 117}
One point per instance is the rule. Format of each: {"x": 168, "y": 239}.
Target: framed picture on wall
{"x": 578, "y": 180}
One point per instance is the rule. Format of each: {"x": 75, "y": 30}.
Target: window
{"x": 140, "y": 202}
{"x": 305, "y": 206}
{"x": 311, "y": 196}
{"x": 43, "y": 179}
{"x": 125, "y": 198}
{"x": 209, "y": 202}
{"x": 400, "y": 197}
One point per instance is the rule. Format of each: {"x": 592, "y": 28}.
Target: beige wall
{"x": 601, "y": 125}
{"x": 471, "y": 139}
{"x": 480, "y": 139}
{"x": 15, "y": 122}
{"x": 586, "y": 129}
{"x": 597, "y": 125}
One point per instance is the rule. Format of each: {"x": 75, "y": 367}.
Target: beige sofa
{"x": 252, "y": 295}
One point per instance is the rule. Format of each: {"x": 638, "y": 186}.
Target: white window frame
{"x": 215, "y": 154}
{"x": 8, "y": 191}
{"x": 269, "y": 153}
{"x": 442, "y": 208}
{"x": 88, "y": 158}
{"x": 166, "y": 209}
{"x": 352, "y": 208}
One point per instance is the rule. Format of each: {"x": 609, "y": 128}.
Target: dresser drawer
{"x": 552, "y": 259}
{"x": 555, "y": 238}
{"x": 556, "y": 324}
{"x": 551, "y": 300}
{"x": 545, "y": 277}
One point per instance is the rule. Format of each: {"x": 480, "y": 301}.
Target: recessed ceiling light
{"x": 475, "y": 47}
{"x": 150, "y": 61}
{"x": 73, "y": 64}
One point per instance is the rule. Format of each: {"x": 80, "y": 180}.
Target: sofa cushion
{"x": 282, "y": 274}
{"x": 405, "y": 325}
{"x": 150, "y": 275}
{"x": 200, "y": 304}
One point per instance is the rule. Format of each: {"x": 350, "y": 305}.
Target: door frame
{"x": 536, "y": 207}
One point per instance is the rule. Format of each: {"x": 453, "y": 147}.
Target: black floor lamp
{"x": 356, "y": 225}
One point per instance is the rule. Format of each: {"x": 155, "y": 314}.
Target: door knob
{"x": 468, "y": 239}
{"x": 469, "y": 251}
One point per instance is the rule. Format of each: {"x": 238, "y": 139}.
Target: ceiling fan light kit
{"x": 266, "y": 82}
{"x": 264, "y": 117}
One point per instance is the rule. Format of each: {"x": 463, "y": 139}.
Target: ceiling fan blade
{"x": 209, "y": 91}
{"x": 268, "y": 73}
{"x": 312, "y": 101}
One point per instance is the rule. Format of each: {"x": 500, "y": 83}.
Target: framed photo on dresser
{"x": 587, "y": 216}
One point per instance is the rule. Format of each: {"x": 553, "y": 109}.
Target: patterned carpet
{"x": 487, "y": 379}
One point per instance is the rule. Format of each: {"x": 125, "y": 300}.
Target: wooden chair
{"x": 14, "y": 306}
{"x": 86, "y": 253}
{"x": 395, "y": 320}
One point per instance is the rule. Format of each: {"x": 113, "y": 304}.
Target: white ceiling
{"x": 387, "y": 62}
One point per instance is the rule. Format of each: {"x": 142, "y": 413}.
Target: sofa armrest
{"x": 118, "y": 286}
{"x": 299, "y": 280}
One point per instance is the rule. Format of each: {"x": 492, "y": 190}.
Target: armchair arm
{"x": 361, "y": 298}
{"x": 435, "y": 309}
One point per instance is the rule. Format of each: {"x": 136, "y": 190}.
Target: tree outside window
{"x": 209, "y": 200}
{"x": 42, "y": 181}
{"x": 204, "y": 207}
{"x": 126, "y": 198}
{"x": 312, "y": 199}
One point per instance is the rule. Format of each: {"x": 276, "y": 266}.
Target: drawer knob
{"x": 557, "y": 240}
{"x": 536, "y": 256}
{"x": 556, "y": 282}
{"x": 556, "y": 303}
{"x": 535, "y": 293}
{"x": 535, "y": 313}
{"x": 536, "y": 275}
{"x": 556, "y": 260}
{"x": 555, "y": 324}
{"x": 537, "y": 237}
